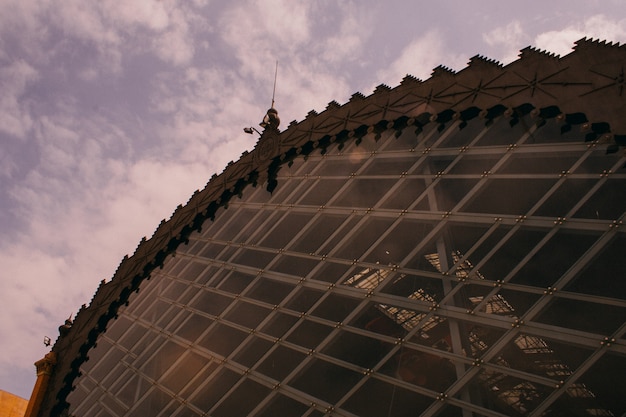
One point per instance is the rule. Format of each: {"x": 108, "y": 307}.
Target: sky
{"x": 114, "y": 112}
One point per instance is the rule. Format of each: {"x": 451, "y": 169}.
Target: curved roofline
{"x": 572, "y": 89}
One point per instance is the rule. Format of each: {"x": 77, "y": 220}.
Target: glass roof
{"x": 447, "y": 272}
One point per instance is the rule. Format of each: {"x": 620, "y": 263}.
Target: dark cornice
{"x": 584, "y": 89}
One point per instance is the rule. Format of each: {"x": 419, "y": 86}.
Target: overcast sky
{"x": 113, "y": 112}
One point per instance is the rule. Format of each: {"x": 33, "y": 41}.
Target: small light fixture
{"x": 251, "y": 130}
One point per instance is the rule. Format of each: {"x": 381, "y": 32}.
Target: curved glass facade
{"x": 446, "y": 272}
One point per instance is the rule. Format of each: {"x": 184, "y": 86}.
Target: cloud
{"x": 506, "y": 41}
{"x": 15, "y": 78}
{"x": 597, "y": 26}
{"x": 420, "y": 57}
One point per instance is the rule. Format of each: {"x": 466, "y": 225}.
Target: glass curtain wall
{"x": 441, "y": 272}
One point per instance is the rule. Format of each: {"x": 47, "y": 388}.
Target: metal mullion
{"x": 591, "y": 298}
{"x": 564, "y": 335}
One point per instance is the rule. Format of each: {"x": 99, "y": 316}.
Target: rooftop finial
{"x": 274, "y": 90}
{"x": 271, "y": 119}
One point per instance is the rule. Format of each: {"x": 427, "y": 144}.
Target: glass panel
{"x": 409, "y": 139}
{"x": 565, "y": 197}
{"x": 269, "y": 291}
{"x": 246, "y": 314}
{"x": 608, "y": 203}
{"x": 541, "y": 356}
{"x": 309, "y": 334}
{"x": 510, "y": 254}
{"x": 474, "y": 164}
{"x": 193, "y": 271}
{"x": 511, "y": 196}
{"x": 303, "y": 300}
{"x": 236, "y": 282}
{"x": 284, "y": 407}
{"x": 254, "y": 258}
{"x": 164, "y": 358}
{"x": 133, "y": 390}
{"x": 320, "y": 230}
{"x": 554, "y": 258}
{"x": 421, "y": 369}
{"x": 280, "y": 363}
{"x": 538, "y": 163}
{"x": 326, "y": 381}
{"x": 256, "y": 194}
{"x": 597, "y": 392}
{"x": 292, "y": 265}
{"x": 319, "y": 192}
{"x": 212, "y": 250}
{"x": 194, "y": 327}
{"x": 214, "y": 389}
{"x": 393, "y": 248}
{"x": 253, "y": 351}
{"x": 359, "y": 350}
{"x": 507, "y": 394}
{"x": 336, "y": 307}
{"x": 184, "y": 371}
{"x": 550, "y": 132}
{"x": 363, "y": 238}
{"x": 223, "y": 339}
{"x": 284, "y": 231}
{"x": 590, "y": 317}
{"x": 211, "y": 303}
{"x": 339, "y": 234}
{"x": 279, "y": 324}
{"x": 238, "y": 221}
{"x": 406, "y": 285}
{"x": 376, "y": 398}
{"x": 602, "y": 275}
{"x": 242, "y": 400}
{"x": 501, "y": 133}
{"x": 288, "y": 191}
{"x": 342, "y": 166}
{"x": 450, "y": 191}
{"x": 383, "y": 165}
{"x": 152, "y": 404}
{"x": 364, "y": 192}
{"x": 462, "y": 137}
{"x": 406, "y": 194}
{"x": 598, "y": 162}
{"x": 331, "y": 272}
{"x": 506, "y": 298}
{"x": 117, "y": 327}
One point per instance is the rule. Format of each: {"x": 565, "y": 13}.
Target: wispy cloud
{"x": 597, "y": 26}
{"x": 506, "y": 41}
{"x": 15, "y": 117}
{"x": 420, "y": 57}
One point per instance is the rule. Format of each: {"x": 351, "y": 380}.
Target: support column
{"x": 44, "y": 367}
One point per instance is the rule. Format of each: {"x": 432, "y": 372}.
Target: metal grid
{"x": 453, "y": 272}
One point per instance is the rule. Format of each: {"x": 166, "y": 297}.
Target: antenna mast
{"x": 274, "y": 91}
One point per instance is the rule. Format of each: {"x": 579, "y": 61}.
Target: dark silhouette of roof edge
{"x": 582, "y": 88}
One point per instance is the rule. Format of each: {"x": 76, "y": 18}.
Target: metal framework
{"x": 469, "y": 270}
